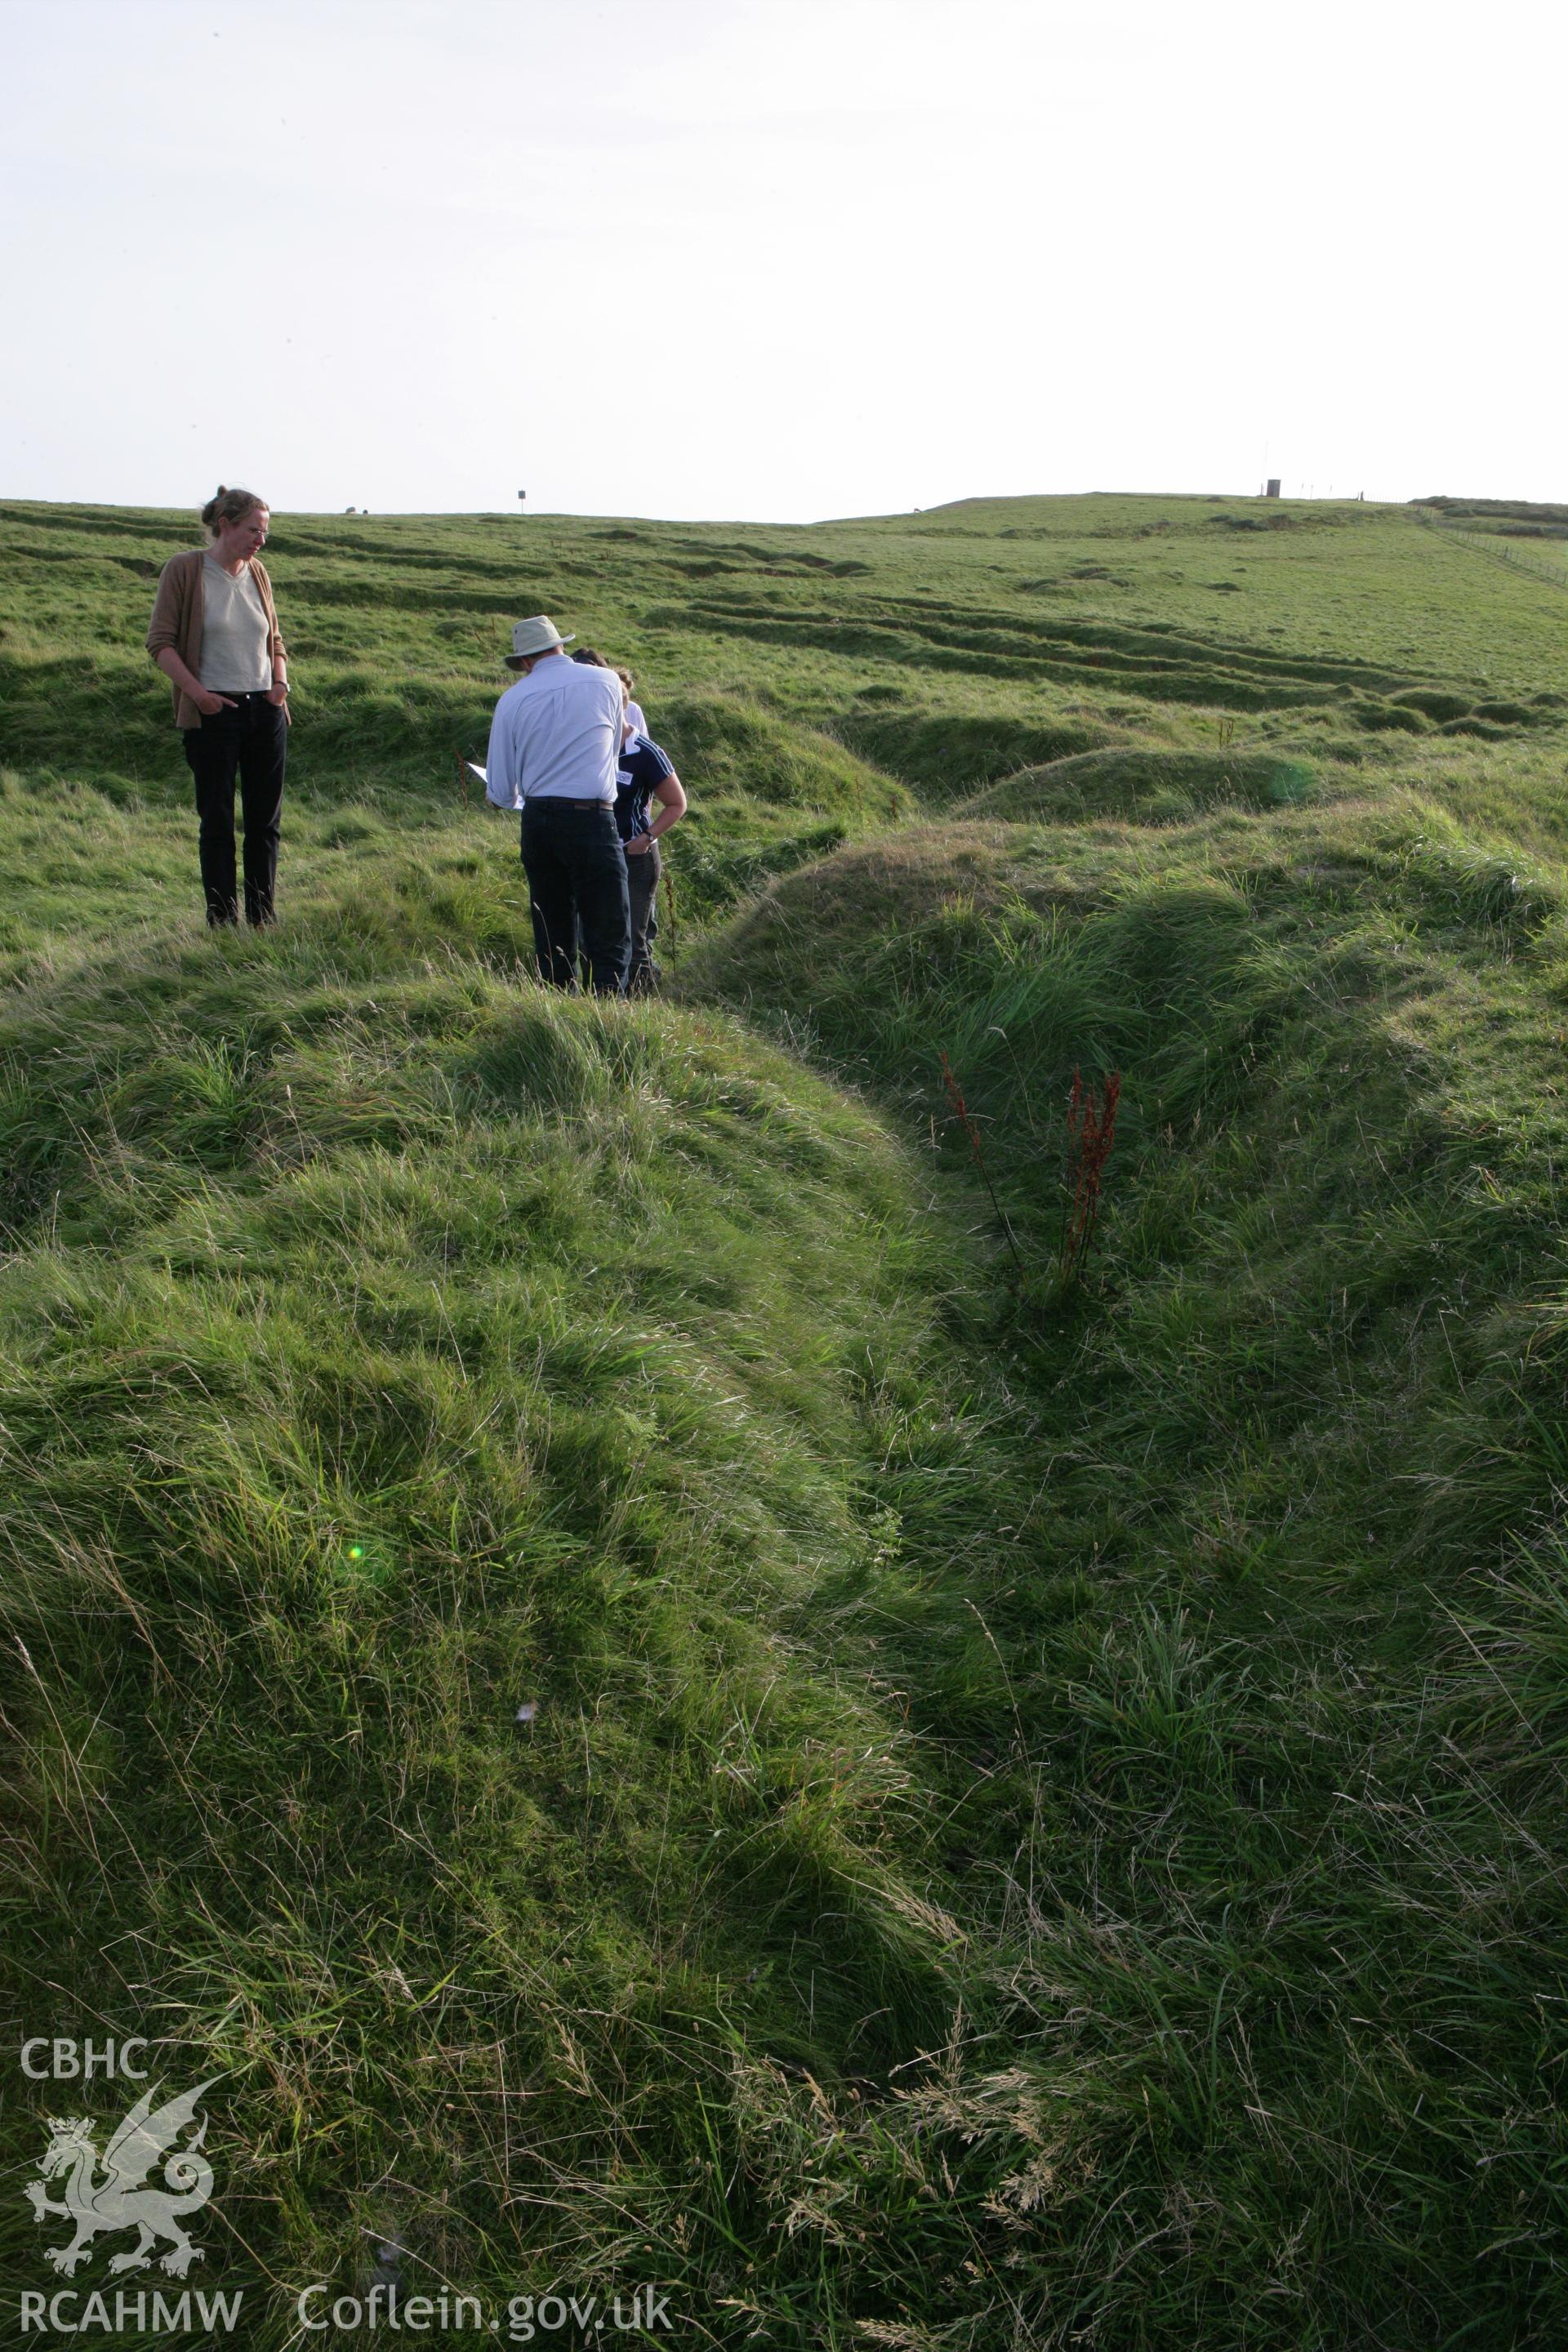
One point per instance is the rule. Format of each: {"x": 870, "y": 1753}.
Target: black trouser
{"x": 248, "y": 740}
{"x": 642, "y": 887}
{"x": 576, "y": 872}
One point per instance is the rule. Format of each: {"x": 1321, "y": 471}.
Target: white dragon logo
{"x": 119, "y": 2201}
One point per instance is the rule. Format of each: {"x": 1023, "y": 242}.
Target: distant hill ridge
{"x": 1550, "y": 522}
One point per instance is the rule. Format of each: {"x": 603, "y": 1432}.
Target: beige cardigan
{"x": 177, "y": 621}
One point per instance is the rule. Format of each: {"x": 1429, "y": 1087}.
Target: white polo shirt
{"x": 556, "y": 735}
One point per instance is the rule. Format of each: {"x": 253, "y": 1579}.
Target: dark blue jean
{"x": 248, "y": 742}
{"x": 576, "y": 872}
{"x": 643, "y": 874}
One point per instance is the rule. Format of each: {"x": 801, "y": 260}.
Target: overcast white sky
{"x": 777, "y": 258}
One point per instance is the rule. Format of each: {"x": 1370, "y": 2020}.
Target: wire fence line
{"x": 1554, "y": 577}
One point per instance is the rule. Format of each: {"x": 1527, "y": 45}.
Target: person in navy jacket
{"x": 650, "y": 799}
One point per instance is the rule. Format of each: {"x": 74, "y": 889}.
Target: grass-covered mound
{"x": 747, "y": 755}
{"x": 389, "y": 1346}
{"x": 951, "y": 750}
{"x": 771, "y": 795}
{"x": 1153, "y": 786}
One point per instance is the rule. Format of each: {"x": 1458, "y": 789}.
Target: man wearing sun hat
{"x": 555, "y": 742}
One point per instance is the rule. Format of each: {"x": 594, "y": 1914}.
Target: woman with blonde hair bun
{"x": 215, "y": 635}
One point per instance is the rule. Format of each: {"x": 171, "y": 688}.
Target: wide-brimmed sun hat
{"x": 537, "y": 635}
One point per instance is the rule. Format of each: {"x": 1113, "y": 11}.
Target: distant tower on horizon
{"x": 1271, "y": 488}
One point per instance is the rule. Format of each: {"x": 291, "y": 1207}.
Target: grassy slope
{"x": 1043, "y": 1821}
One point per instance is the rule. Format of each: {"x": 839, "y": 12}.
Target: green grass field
{"x": 1039, "y": 1813}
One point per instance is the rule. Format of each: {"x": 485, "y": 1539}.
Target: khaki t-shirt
{"x": 234, "y": 632}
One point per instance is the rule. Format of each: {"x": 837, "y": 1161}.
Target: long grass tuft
{"x": 970, "y": 1127}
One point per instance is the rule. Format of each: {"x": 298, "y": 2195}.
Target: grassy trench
{"x": 1278, "y": 1925}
